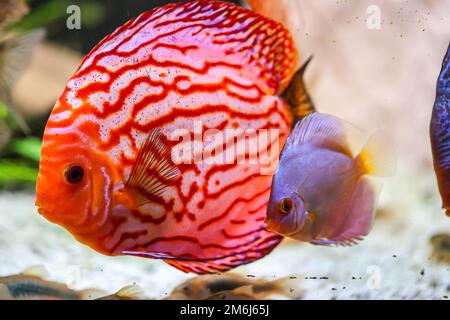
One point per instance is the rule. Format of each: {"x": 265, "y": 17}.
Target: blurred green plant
{"x": 7, "y": 118}
{"x": 3, "y": 111}
{"x": 29, "y": 148}
{"x": 19, "y": 156}
{"x": 17, "y": 174}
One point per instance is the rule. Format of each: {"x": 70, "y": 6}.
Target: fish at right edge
{"x": 440, "y": 133}
{"x": 321, "y": 192}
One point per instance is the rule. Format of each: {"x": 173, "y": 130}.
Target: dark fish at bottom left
{"x": 30, "y": 285}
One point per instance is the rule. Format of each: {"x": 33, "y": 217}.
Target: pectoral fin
{"x": 153, "y": 170}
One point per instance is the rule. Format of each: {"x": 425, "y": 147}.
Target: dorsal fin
{"x": 269, "y": 8}
{"x": 323, "y": 130}
{"x": 269, "y": 61}
{"x": 131, "y": 292}
{"x": 36, "y": 271}
{"x": 154, "y": 169}
{"x": 296, "y": 95}
{"x": 262, "y": 48}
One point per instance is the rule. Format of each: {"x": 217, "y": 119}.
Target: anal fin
{"x": 359, "y": 215}
{"x": 323, "y": 242}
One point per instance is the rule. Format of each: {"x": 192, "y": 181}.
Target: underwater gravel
{"x": 393, "y": 262}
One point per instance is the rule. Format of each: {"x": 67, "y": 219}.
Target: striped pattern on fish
{"x": 169, "y": 67}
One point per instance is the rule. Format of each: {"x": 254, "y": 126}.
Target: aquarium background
{"x": 380, "y": 79}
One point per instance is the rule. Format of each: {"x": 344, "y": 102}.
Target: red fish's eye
{"x": 286, "y": 205}
{"x": 74, "y": 173}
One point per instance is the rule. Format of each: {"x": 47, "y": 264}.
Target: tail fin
{"x": 5, "y": 294}
{"x": 377, "y": 158}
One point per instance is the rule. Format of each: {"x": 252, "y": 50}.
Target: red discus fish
{"x": 107, "y": 172}
{"x": 440, "y": 132}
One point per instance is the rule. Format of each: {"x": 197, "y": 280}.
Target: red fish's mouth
{"x": 40, "y": 209}
{"x": 45, "y": 214}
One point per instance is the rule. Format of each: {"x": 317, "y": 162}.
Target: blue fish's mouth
{"x": 287, "y": 225}
{"x": 270, "y": 225}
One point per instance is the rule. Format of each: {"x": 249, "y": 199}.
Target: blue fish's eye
{"x": 74, "y": 173}
{"x": 286, "y": 205}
